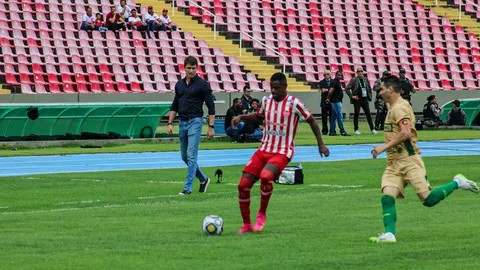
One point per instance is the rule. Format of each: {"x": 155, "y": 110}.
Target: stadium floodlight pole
{"x": 264, "y": 45}
{"x": 209, "y": 13}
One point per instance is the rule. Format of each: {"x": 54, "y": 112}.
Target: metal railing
{"x": 204, "y": 10}
{"x": 460, "y": 6}
{"x": 264, "y": 45}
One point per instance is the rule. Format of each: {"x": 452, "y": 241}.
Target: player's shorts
{"x": 409, "y": 170}
{"x": 260, "y": 158}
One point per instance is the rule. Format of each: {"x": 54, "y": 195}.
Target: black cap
{"x": 456, "y": 102}
{"x": 386, "y": 73}
{"x": 402, "y": 70}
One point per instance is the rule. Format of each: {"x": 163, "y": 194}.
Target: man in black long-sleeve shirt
{"x": 190, "y": 94}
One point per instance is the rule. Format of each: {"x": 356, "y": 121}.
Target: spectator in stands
{"x": 99, "y": 22}
{"x": 88, "y": 21}
{"x": 136, "y": 22}
{"x": 456, "y": 116}
{"x": 380, "y": 105}
{"x": 167, "y": 22}
{"x": 114, "y": 20}
{"x": 152, "y": 20}
{"x": 246, "y": 98}
{"x": 124, "y": 10}
{"x": 335, "y": 97}
{"x": 431, "y": 112}
{"x": 406, "y": 85}
{"x": 234, "y": 110}
{"x": 324, "y": 103}
{"x": 360, "y": 93}
{"x": 191, "y": 93}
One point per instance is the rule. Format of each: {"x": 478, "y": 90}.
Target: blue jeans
{"x": 336, "y": 115}
{"x": 235, "y": 133}
{"x": 257, "y": 134}
{"x": 189, "y": 134}
{"x": 151, "y": 26}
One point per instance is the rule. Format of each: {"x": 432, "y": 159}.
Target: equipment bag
{"x": 291, "y": 175}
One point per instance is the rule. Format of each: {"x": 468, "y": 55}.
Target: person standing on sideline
{"x": 404, "y": 164}
{"x": 380, "y": 104}
{"x": 280, "y": 113}
{"x": 360, "y": 93}
{"x": 246, "y": 98}
{"x": 406, "y": 86}
{"x": 335, "y": 97}
{"x": 456, "y": 116}
{"x": 190, "y": 94}
{"x": 324, "y": 103}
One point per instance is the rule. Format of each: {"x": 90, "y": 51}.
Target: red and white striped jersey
{"x": 280, "y": 123}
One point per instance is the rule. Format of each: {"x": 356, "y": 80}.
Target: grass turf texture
{"x": 304, "y": 137}
{"x": 135, "y": 220}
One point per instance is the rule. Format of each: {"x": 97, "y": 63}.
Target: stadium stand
{"x": 44, "y": 52}
{"x": 376, "y": 35}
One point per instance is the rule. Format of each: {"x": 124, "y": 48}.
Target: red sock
{"x": 244, "y": 188}
{"x": 266, "y": 189}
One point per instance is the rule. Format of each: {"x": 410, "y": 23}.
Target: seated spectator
{"x": 88, "y": 21}
{"x": 114, "y": 20}
{"x": 153, "y": 21}
{"x": 234, "y": 110}
{"x": 136, "y": 22}
{"x": 431, "y": 112}
{"x": 253, "y": 129}
{"x": 99, "y": 22}
{"x": 456, "y": 116}
{"x": 167, "y": 22}
{"x": 124, "y": 10}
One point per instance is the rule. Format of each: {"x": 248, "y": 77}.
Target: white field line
{"x": 163, "y": 182}
{"x": 78, "y": 202}
{"x": 88, "y": 180}
{"x": 163, "y": 202}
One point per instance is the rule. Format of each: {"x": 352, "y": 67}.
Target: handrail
{"x": 209, "y": 13}
{"x": 173, "y": 7}
{"x": 264, "y": 45}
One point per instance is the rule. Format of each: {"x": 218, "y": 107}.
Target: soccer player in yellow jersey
{"x": 404, "y": 164}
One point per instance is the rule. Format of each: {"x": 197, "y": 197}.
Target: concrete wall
{"x": 224, "y": 100}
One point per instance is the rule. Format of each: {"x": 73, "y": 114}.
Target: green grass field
{"x": 136, "y": 220}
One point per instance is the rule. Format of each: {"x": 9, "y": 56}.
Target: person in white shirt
{"x": 88, "y": 21}
{"x": 124, "y": 10}
{"x": 152, "y": 20}
{"x": 167, "y": 22}
{"x": 136, "y": 22}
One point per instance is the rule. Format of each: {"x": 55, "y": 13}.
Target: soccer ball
{"x": 212, "y": 225}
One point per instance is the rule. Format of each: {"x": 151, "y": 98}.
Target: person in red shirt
{"x": 280, "y": 113}
{"x": 114, "y": 20}
{"x": 99, "y": 22}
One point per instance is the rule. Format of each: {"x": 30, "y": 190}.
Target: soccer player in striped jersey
{"x": 280, "y": 113}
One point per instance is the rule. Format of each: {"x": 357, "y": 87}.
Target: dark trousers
{"x": 364, "y": 104}
{"x": 381, "y": 115}
{"x": 326, "y": 115}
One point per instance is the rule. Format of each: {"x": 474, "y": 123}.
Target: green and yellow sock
{"x": 440, "y": 193}
{"x": 389, "y": 212}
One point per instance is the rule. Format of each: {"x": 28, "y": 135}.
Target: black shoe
{"x": 345, "y": 134}
{"x": 204, "y": 186}
{"x": 324, "y": 132}
{"x": 185, "y": 192}
{"x": 332, "y": 134}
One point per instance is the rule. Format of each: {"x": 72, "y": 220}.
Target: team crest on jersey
{"x": 388, "y": 127}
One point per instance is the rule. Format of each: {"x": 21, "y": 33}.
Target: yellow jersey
{"x": 397, "y": 112}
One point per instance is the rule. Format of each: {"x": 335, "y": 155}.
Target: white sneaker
{"x": 387, "y": 237}
{"x": 357, "y": 132}
{"x": 464, "y": 183}
{"x": 374, "y": 131}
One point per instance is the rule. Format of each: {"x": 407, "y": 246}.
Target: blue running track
{"x": 28, "y": 165}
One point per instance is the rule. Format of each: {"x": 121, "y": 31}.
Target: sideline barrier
{"x": 74, "y": 121}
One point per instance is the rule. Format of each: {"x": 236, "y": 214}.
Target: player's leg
{"x": 392, "y": 188}
{"x": 272, "y": 170}
{"x": 250, "y": 175}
